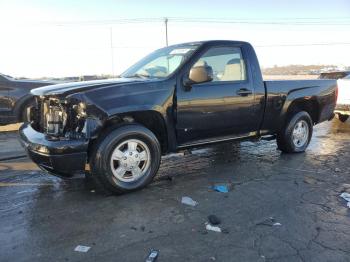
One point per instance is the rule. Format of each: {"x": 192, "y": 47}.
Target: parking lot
{"x": 279, "y": 208}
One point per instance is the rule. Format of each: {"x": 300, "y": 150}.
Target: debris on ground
{"x": 222, "y": 188}
{"x": 214, "y": 220}
{"x": 337, "y": 169}
{"x": 269, "y": 222}
{"x": 80, "y": 248}
{"x": 212, "y": 228}
{"x": 153, "y": 255}
{"x": 188, "y": 201}
{"x": 346, "y": 197}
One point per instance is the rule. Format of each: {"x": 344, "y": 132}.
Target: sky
{"x": 69, "y": 38}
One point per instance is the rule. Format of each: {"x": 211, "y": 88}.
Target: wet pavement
{"x": 43, "y": 218}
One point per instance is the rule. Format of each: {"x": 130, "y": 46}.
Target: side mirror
{"x": 197, "y": 75}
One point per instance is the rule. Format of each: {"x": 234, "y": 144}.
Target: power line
{"x": 154, "y": 46}
{"x": 311, "y": 44}
{"x": 248, "y": 21}
{"x": 261, "y": 22}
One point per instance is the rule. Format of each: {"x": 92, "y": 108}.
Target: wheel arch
{"x": 151, "y": 119}
{"x": 311, "y": 106}
{"x": 301, "y": 100}
{"x": 20, "y": 105}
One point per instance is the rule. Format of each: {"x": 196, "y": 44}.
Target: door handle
{"x": 244, "y": 92}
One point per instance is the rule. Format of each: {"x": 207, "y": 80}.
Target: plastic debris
{"x": 83, "y": 249}
{"x": 221, "y": 188}
{"x": 269, "y": 222}
{"x": 346, "y": 197}
{"x": 153, "y": 255}
{"x": 337, "y": 169}
{"x": 214, "y": 220}
{"x": 212, "y": 228}
{"x": 188, "y": 201}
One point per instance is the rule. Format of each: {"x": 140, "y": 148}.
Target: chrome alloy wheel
{"x": 130, "y": 160}
{"x": 300, "y": 133}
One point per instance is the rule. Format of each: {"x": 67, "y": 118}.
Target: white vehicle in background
{"x": 342, "y": 108}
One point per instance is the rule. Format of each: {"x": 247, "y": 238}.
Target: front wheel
{"x": 343, "y": 118}
{"x": 296, "y": 134}
{"x": 126, "y": 159}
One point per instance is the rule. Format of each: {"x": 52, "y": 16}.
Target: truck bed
{"x": 279, "y": 95}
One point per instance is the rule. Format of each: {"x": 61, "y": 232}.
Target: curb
{"x": 12, "y": 157}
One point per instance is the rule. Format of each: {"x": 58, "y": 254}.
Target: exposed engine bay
{"x": 58, "y": 118}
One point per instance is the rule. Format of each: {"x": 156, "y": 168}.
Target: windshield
{"x": 161, "y": 63}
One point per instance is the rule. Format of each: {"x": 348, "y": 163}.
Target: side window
{"x": 226, "y": 62}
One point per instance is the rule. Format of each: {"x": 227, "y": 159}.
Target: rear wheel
{"x": 343, "y": 118}
{"x": 296, "y": 134}
{"x": 126, "y": 159}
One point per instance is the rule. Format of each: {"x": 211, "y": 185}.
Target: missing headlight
{"x": 55, "y": 118}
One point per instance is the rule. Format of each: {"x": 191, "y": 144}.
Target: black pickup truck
{"x": 178, "y": 97}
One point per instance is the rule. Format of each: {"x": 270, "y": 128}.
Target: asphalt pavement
{"x": 279, "y": 207}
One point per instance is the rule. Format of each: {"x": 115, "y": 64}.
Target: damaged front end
{"x": 63, "y": 118}
{"x": 59, "y": 132}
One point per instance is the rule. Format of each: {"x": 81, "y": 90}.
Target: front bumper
{"x": 62, "y": 158}
{"x": 343, "y": 109}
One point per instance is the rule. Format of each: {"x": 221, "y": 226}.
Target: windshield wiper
{"x": 138, "y": 76}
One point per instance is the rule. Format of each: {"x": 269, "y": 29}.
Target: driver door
{"x": 219, "y": 108}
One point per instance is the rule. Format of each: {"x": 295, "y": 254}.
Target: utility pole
{"x": 112, "y": 53}
{"x": 166, "y": 31}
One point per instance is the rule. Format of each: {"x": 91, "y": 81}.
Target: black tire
{"x": 343, "y": 118}
{"x": 100, "y": 159}
{"x": 285, "y": 141}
